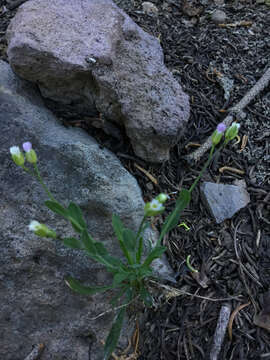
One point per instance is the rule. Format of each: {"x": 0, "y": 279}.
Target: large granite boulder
{"x": 89, "y": 58}
{"x": 36, "y": 305}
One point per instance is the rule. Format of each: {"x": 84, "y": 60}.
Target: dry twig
{"x": 36, "y": 352}
{"x": 234, "y": 313}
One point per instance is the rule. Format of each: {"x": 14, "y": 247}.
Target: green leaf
{"x": 88, "y": 243}
{"x": 154, "y": 254}
{"x": 119, "y": 229}
{"x": 97, "y": 251}
{"x": 129, "y": 240}
{"x": 172, "y": 220}
{"x": 100, "y": 249}
{"x": 56, "y": 208}
{"x": 120, "y": 277}
{"x": 118, "y": 296}
{"x": 72, "y": 243}
{"x": 145, "y": 271}
{"x": 114, "y": 334}
{"x": 139, "y": 251}
{"x": 84, "y": 290}
{"x": 113, "y": 262}
{"x": 76, "y": 217}
{"x": 146, "y": 297}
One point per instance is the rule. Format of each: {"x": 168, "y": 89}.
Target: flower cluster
{"x": 230, "y": 134}
{"x": 18, "y": 156}
{"x": 41, "y": 229}
{"x": 155, "y": 206}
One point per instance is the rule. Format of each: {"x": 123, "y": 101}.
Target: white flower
{"x": 34, "y": 225}
{"x": 41, "y": 229}
{"x": 16, "y": 155}
{"x": 232, "y": 131}
{"x": 15, "y": 150}
{"x": 155, "y": 205}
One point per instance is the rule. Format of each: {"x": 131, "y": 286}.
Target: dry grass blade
{"x": 233, "y": 315}
{"x": 150, "y": 177}
{"x": 231, "y": 169}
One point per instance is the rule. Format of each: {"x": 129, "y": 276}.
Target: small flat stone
{"x": 223, "y": 201}
{"x": 149, "y": 8}
{"x": 218, "y": 17}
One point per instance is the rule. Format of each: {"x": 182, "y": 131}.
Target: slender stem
{"x": 203, "y": 170}
{"x": 38, "y": 176}
{"x": 26, "y": 169}
{"x": 191, "y": 268}
{"x": 139, "y": 247}
{"x": 140, "y": 228}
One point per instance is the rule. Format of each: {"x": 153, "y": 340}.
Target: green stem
{"x": 38, "y": 176}
{"x": 26, "y": 169}
{"x": 140, "y": 228}
{"x": 140, "y": 245}
{"x": 203, "y": 170}
{"x": 191, "y": 268}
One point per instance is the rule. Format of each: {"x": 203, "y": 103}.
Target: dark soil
{"x": 235, "y": 255}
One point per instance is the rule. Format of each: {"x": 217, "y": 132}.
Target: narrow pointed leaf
{"x": 88, "y": 242}
{"x": 113, "y": 262}
{"x": 100, "y": 249}
{"x": 118, "y": 296}
{"x": 118, "y": 229}
{"x": 84, "y": 290}
{"x": 129, "y": 240}
{"x": 114, "y": 334}
{"x": 118, "y": 226}
{"x": 172, "y": 220}
{"x": 154, "y": 254}
{"x": 140, "y": 250}
{"x": 56, "y": 208}
{"x": 72, "y": 243}
{"x": 76, "y": 217}
{"x": 119, "y": 278}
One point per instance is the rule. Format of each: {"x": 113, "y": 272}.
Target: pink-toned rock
{"x": 89, "y": 57}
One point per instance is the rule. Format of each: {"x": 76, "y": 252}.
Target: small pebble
{"x": 149, "y": 8}
{"x": 149, "y": 186}
{"x": 219, "y": 2}
{"x": 218, "y": 17}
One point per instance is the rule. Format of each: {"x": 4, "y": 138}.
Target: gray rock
{"x": 36, "y": 305}
{"x": 218, "y": 16}
{"x": 12, "y": 4}
{"x": 149, "y": 8}
{"x": 223, "y": 201}
{"x": 88, "y": 57}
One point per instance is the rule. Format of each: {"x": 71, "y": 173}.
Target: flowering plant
{"x": 129, "y": 276}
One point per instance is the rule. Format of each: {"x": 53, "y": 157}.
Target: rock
{"x": 149, "y": 8}
{"x": 218, "y": 17}
{"x": 262, "y": 319}
{"x": 88, "y": 57}
{"x": 219, "y": 2}
{"x": 37, "y": 307}
{"x": 191, "y": 8}
{"x": 223, "y": 201}
{"x": 12, "y": 4}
